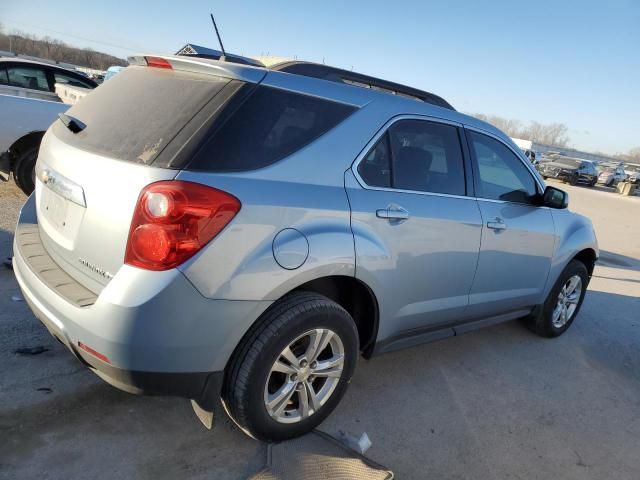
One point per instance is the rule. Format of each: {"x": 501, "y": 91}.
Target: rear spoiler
{"x": 205, "y": 66}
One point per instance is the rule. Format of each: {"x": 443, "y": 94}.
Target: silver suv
{"x": 227, "y": 232}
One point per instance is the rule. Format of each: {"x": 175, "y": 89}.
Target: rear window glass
{"x": 134, "y": 115}
{"x": 270, "y": 125}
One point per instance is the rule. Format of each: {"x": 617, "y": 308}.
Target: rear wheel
{"x": 293, "y": 370}
{"x": 24, "y": 171}
{"x": 563, "y": 303}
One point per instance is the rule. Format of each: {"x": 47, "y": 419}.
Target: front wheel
{"x": 289, "y": 375}
{"x": 563, "y": 303}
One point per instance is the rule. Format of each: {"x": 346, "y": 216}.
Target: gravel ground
{"x": 499, "y": 403}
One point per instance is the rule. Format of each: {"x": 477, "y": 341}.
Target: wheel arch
{"x": 588, "y": 257}
{"x": 350, "y": 293}
{"x": 24, "y": 143}
{"x": 357, "y": 298}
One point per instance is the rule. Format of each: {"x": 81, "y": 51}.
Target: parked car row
{"x": 579, "y": 171}
{"x": 569, "y": 170}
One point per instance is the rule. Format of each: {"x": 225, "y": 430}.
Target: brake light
{"x": 158, "y": 62}
{"x": 173, "y": 220}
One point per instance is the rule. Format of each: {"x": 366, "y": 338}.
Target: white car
{"x": 29, "y": 104}
{"x": 610, "y": 175}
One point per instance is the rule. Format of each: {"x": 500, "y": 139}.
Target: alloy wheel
{"x": 568, "y": 300}
{"x": 304, "y": 376}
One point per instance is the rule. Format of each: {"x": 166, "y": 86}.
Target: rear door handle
{"x": 497, "y": 224}
{"x": 393, "y": 212}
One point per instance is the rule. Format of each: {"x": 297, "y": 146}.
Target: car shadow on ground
{"x": 616, "y": 260}
{"x": 6, "y": 246}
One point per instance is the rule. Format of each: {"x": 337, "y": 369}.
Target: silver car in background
{"x": 225, "y": 232}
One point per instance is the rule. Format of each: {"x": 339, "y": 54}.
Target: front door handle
{"x": 497, "y": 224}
{"x": 392, "y": 212}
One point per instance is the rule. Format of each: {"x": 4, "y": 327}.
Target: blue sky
{"x": 576, "y": 62}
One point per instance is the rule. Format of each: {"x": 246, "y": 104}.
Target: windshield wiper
{"x": 71, "y": 123}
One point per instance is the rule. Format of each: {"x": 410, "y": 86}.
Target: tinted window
{"x": 70, "y": 80}
{"x": 4, "y": 79}
{"x": 375, "y": 167}
{"x": 502, "y": 174}
{"x": 28, "y": 77}
{"x": 270, "y": 125}
{"x": 136, "y": 114}
{"x": 425, "y": 157}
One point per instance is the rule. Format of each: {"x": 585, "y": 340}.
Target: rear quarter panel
{"x": 22, "y": 115}
{"x": 239, "y": 263}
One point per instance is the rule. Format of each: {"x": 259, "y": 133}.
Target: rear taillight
{"x": 158, "y": 62}
{"x": 173, "y": 220}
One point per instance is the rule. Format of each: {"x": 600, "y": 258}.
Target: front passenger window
{"x": 502, "y": 174}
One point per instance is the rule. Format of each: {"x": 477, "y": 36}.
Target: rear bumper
{"x": 153, "y": 332}
{"x": 189, "y": 385}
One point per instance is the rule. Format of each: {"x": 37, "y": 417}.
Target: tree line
{"x": 549, "y": 134}
{"x": 57, "y": 50}
{"x": 556, "y": 134}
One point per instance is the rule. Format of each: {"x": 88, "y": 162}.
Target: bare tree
{"x": 53, "y": 49}
{"x": 632, "y": 155}
{"x": 550, "y": 134}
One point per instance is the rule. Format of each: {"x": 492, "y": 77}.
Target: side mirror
{"x": 555, "y": 198}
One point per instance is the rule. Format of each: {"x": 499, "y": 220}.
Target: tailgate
{"x": 88, "y": 241}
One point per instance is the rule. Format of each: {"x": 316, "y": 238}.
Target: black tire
{"x": 24, "y": 169}
{"x": 541, "y": 321}
{"x": 249, "y": 369}
{"x": 593, "y": 183}
{"x": 544, "y": 177}
{"x": 573, "y": 180}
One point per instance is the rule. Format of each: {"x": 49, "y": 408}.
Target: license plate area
{"x": 55, "y": 209}
{"x": 58, "y": 217}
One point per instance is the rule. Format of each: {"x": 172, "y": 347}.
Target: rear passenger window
{"x": 270, "y": 125}
{"x": 416, "y": 155}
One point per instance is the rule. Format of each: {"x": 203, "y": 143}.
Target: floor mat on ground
{"x": 318, "y": 456}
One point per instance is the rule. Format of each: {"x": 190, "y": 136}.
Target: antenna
{"x": 224, "y": 54}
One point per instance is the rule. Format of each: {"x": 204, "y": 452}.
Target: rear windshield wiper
{"x": 71, "y": 123}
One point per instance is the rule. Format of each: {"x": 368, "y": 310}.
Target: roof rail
{"x": 309, "y": 69}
